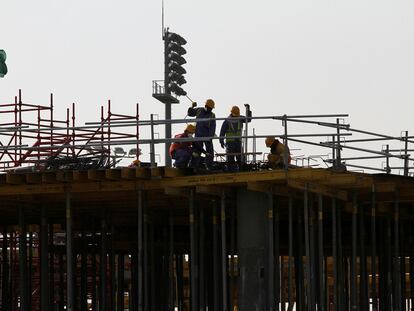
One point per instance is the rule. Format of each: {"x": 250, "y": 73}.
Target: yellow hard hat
{"x": 210, "y": 103}
{"x": 235, "y": 111}
{"x": 190, "y": 128}
{"x": 269, "y": 141}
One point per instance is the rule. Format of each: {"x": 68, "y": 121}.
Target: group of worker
{"x": 187, "y": 152}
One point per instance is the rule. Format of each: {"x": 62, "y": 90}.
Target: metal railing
{"x": 348, "y": 147}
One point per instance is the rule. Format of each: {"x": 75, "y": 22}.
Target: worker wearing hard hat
{"x": 276, "y": 156}
{"x": 204, "y": 128}
{"x": 181, "y": 151}
{"x": 232, "y": 129}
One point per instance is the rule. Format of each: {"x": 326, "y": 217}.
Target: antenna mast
{"x": 162, "y": 19}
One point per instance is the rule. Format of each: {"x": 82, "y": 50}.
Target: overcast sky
{"x": 281, "y": 57}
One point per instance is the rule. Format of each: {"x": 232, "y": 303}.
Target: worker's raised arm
{"x": 192, "y": 111}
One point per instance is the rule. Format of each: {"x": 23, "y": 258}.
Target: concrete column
{"x": 252, "y": 249}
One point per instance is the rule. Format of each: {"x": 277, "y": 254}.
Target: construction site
{"x": 79, "y": 231}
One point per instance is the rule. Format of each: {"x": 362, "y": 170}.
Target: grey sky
{"x": 293, "y": 57}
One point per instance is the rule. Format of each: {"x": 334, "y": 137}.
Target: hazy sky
{"x": 281, "y": 57}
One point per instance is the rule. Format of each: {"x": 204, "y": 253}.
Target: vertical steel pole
{"x": 112, "y": 269}
{"x": 307, "y": 248}
{"x": 94, "y": 268}
{"x": 180, "y": 282}
{"x": 216, "y": 280}
{"x": 321, "y": 255}
{"x": 224, "y": 250}
{"x": 152, "y": 146}
{"x": 277, "y": 263}
{"x": 271, "y": 261}
{"x": 335, "y": 256}
{"x": 24, "y": 297}
{"x": 140, "y": 205}
{"x": 286, "y": 153}
{"x": 193, "y": 263}
{"x": 290, "y": 262}
{"x": 171, "y": 265}
{"x": 201, "y": 279}
{"x": 167, "y": 134}
{"x": 387, "y": 167}
{"x": 373, "y": 252}
{"x": 61, "y": 283}
{"x": 312, "y": 257}
{"x": 354, "y": 283}
{"x": 232, "y": 258}
{"x": 84, "y": 271}
{"x": 52, "y": 268}
{"x": 44, "y": 261}
{"x": 70, "y": 278}
{"x": 363, "y": 262}
{"x": 396, "y": 263}
{"x": 103, "y": 263}
{"x": 403, "y": 268}
{"x": 338, "y": 138}
{"x": 29, "y": 271}
{"x": 299, "y": 279}
{"x": 406, "y": 170}
{"x": 5, "y": 284}
{"x": 121, "y": 272}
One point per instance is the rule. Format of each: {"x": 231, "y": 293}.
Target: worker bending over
{"x": 181, "y": 151}
{"x": 276, "y": 156}
{"x": 232, "y": 129}
{"x": 204, "y": 129}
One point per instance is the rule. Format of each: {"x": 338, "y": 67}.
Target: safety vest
{"x": 201, "y": 113}
{"x": 234, "y": 131}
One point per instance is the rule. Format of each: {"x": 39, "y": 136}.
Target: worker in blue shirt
{"x": 204, "y": 128}
{"x": 232, "y": 129}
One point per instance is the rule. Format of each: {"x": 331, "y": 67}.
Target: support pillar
{"x": 252, "y": 245}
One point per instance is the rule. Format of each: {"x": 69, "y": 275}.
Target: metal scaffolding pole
{"x": 271, "y": 259}
{"x": 24, "y": 295}
{"x": 290, "y": 262}
{"x": 69, "y": 255}
{"x": 335, "y": 256}
{"x": 140, "y": 205}
{"x": 44, "y": 260}
{"x": 354, "y": 283}
{"x": 321, "y": 255}
{"x": 121, "y": 271}
{"x": 307, "y": 248}
{"x": 396, "y": 257}
{"x": 103, "y": 263}
{"x": 373, "y": 252}
{"x": 193, "y": 256}
{"x": 224, "y": 251}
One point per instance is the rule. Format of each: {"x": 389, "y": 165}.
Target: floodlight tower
{"x": 170, "y": 89}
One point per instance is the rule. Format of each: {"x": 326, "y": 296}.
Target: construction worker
{"x": 204, "y": 129}
{"x": 276, "y": 156}
{"x": 232, "y": 129}
{"x": 182, "y": 152}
